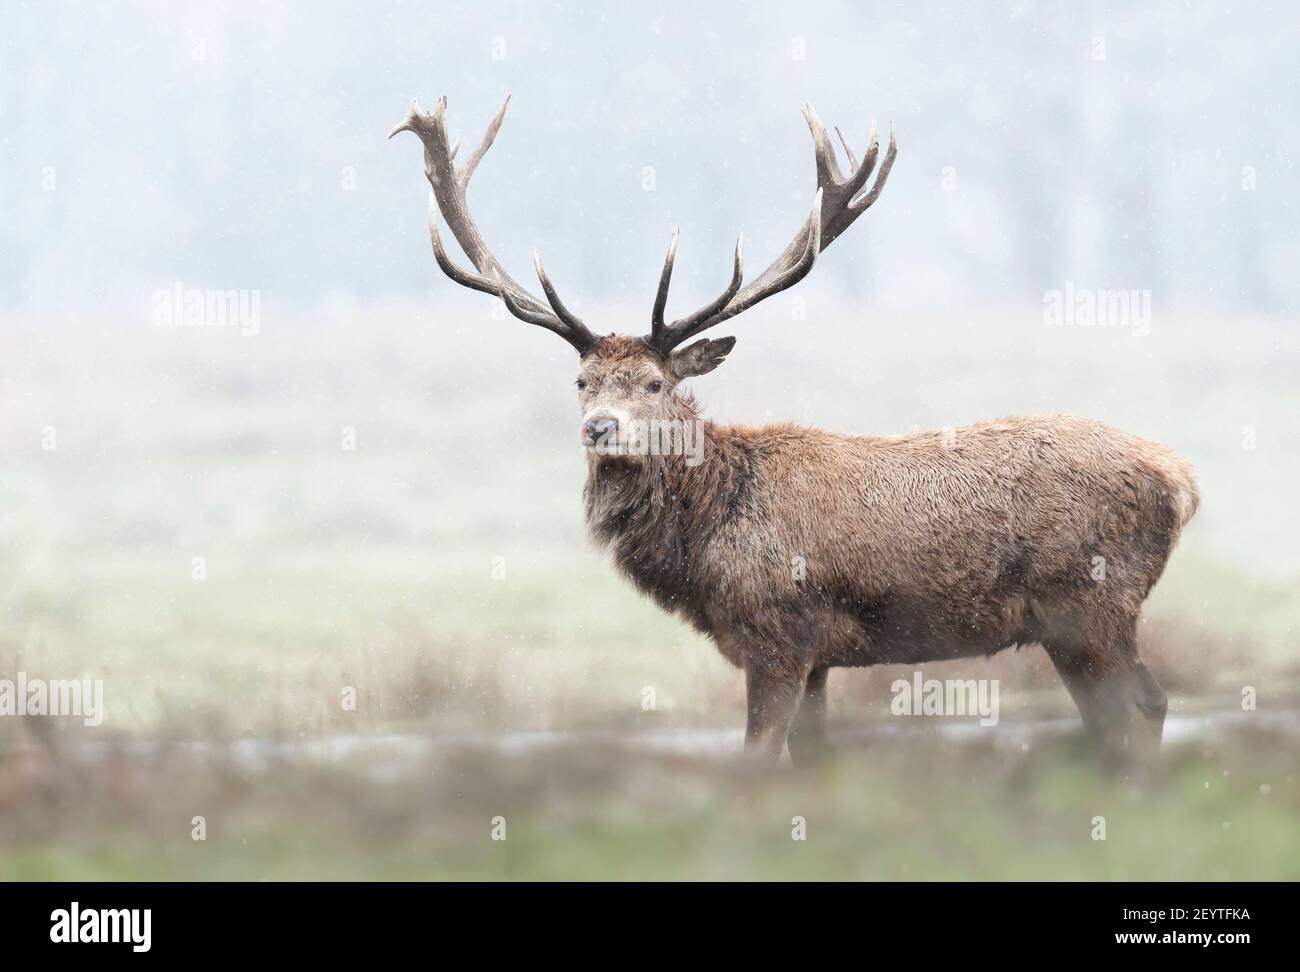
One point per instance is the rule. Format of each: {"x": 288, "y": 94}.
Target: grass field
{"x": 920, "y": 811}
{"x": 202, "y": 537}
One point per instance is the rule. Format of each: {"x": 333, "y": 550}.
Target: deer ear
{"x": 700, "y": 358}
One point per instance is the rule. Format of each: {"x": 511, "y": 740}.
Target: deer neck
{"x": 658, "y": 515}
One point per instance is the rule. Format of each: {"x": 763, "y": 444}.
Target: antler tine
{"x": 541, "y": 319}
{"x": 861, "y": 173}
{"x": 448, "y": 184}
{"x": 828, "y": 169}
{"x": 853, "y": 161}
{"x": 571, "y": 320}
{"x": 891, "y": 153}
{"x": 724, "y": 298}
{"x": 467, "y": 170}
{"x": 661, "y": 296}
{"x": 408, "y": 124}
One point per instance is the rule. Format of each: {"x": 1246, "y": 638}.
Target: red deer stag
{"x": 798, "y": 550}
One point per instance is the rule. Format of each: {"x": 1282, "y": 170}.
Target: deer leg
{"x": 1122, "y": 705}
{"x": 773, "y": 691}
{"x": 1152, "y": 703}
{"x": 808, "y": 733}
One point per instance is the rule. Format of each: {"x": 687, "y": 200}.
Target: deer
{"x": 797, "y": 550}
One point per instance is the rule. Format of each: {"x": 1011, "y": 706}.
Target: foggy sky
{"x": 1040, "y": 143}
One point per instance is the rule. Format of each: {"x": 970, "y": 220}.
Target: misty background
{"x": 243, "y": 146}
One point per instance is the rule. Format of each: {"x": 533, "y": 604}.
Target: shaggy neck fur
{"x": 659, "y": 514}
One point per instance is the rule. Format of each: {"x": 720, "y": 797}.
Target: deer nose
{"x": 596, "y": 429}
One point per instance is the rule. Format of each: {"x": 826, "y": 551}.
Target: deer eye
{"x": 582, "y": 383}
{"x": 655, "y": 387}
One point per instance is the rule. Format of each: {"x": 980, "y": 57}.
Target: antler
{"x": 448, "y": 185}
{"x": 839, "y": 201}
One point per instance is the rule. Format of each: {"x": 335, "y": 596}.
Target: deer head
{"x": 623, "y": 379}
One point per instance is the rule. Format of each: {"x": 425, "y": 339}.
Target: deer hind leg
{"x": 808, "y": 733}
{"x": 1122, "y": 705}
{"x": 773, "y": 689}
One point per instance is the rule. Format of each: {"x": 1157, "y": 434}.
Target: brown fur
{"x": 798, "y": 550}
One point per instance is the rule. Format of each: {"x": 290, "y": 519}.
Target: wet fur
{"x": 798, "y": 550}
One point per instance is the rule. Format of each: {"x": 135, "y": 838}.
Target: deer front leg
{"x": 773, "y": 688}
